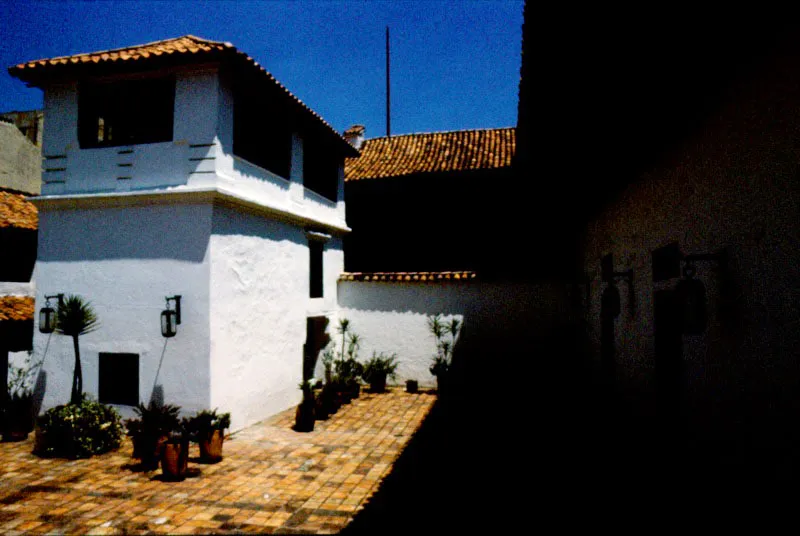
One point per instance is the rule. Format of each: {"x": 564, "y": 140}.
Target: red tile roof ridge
{"x": 439, "y": 132}
{"x": 129, "y": 47}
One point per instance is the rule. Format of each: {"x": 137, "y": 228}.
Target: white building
{"x": 182, "y": 167}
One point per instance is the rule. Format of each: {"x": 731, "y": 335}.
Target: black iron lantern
{"x": 691, "y": 294}
{"x": 170, "y": 318}
{"x": 47, "y": 315}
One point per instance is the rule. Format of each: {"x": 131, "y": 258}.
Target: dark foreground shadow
{"x": 557, "y": 447}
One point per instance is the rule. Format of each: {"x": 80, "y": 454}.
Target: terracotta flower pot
{"x": 175, "y": 459}
{"x": 412, "y": 386}
{"x": 211, "y": 446}
{"x": 148, "y": 449}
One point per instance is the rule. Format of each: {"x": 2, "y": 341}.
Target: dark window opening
{"x": 262, "y": 132}
{"x": 667, "y": 262}
{"x": 320, "y": 169}
{"x": 315, "y": 249}
{"x": 119, "y": 379}
{"x": 125, "y": 113}
{"x": 18, "y": 247}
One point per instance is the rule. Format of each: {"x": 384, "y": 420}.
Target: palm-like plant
{"x": 76, "y": 317}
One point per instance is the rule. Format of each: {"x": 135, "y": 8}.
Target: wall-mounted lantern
{"x": 170, "y": 318}
{"x": 47, "y": 315}
{"x": 610, "y": 300}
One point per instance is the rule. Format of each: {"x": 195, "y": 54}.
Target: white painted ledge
{"x": 180, "y": 195}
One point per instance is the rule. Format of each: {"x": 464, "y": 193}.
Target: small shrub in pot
{"x": 377, "y": 369}
{"x": 151, "y": 430}
{"x": 207, "y": 428}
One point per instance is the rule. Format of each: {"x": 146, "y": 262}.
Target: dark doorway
{"x": 317, "y": 338}
{"x": 669, "y": 365}
{"x": 609, "y": 311}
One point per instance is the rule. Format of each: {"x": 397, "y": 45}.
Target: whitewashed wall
{"x": 392, "y": 318}
{"x": 125, "y": 261}
{"x": 259, "y": 304}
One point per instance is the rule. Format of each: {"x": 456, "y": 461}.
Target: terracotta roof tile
{"x": 461, "y": 150}
{"x": 33, "y": 71}
{"x": 18, "y": 212}
{"x": 408, "y": 277}
{"x": 16, "y": 308}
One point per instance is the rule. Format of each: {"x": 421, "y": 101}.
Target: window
{"x": 119, "y": 379}
{"x": 125, "y": 113}
{"x": 320, "y": 169}
{"x": 315, "y": 248}
{"x": 262, "y": 133}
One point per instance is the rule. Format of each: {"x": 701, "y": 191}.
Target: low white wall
{"x": 392, "y": 318}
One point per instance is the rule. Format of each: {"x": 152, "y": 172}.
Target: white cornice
{"x": 180, "y": 195}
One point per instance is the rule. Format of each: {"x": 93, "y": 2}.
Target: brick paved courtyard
{"x": 271, "y": 480}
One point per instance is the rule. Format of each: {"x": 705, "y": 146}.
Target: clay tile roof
{"x": 186, "y": 46}
{"x": 16, "y": 211}
{"x": 461, "y": 150}
{"x": 416, "y": 277}
{"x": 16, "y": 308}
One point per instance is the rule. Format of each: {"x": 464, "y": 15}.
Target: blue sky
{"x": 455, "y": 64}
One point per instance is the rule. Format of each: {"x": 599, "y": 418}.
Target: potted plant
{"x": 151, "y": 431}
{"x": 377, "y": 369}
{"x": 304, "y": 415}
{"x": 412, "y": 386}
{"x": 17, "y": 413}
{"x": 175, "y": 454}
{"x": 328, "y": 397}
{"x": 207, "y": 428}
{"x": 444, "y": 348}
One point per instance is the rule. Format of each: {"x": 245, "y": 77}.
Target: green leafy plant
{"x": 378, "y": 368}
{"x": 154, "y": 419}
{"x": 17, "y": 413}
{"x": 204, "y": 423}
{"x": 79, "y": 430}
{"x": 443, "y": 360}
{"x": 75, "y": 317}
{"x": 156, "y": 424}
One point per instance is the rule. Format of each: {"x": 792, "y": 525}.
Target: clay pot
{"x": 211, "y": 446}
{"x": 412, "y": 386}
{"x": 175, "y": 459}
{"x": 148, "y": 449}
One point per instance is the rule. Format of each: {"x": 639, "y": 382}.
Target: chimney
{"x": 355, "y": 135}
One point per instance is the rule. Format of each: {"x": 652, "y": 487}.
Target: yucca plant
{"x": 75, "y": 317}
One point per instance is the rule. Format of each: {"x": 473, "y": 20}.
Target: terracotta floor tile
{"x": 268, "y": 474}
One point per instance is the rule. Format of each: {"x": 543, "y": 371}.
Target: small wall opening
{"x": 119, "y": 379}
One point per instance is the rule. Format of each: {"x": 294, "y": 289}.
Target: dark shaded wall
{"x": 732, "y": 183}
{"x": 426, "y": 222}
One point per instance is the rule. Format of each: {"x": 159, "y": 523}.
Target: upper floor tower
{"x": 185, "y": 114}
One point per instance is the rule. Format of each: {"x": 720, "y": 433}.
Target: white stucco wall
{"x": 392, "y": 318}
{"x": 125, "y": 261}
{"x": 259, "y": 304}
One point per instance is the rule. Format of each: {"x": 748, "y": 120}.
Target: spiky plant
{"x": 75, "y": 317}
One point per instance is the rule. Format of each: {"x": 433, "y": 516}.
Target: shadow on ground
{"x": 565, "y": 450}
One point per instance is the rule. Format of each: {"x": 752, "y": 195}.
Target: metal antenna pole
{"x": 388, "y": 116}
